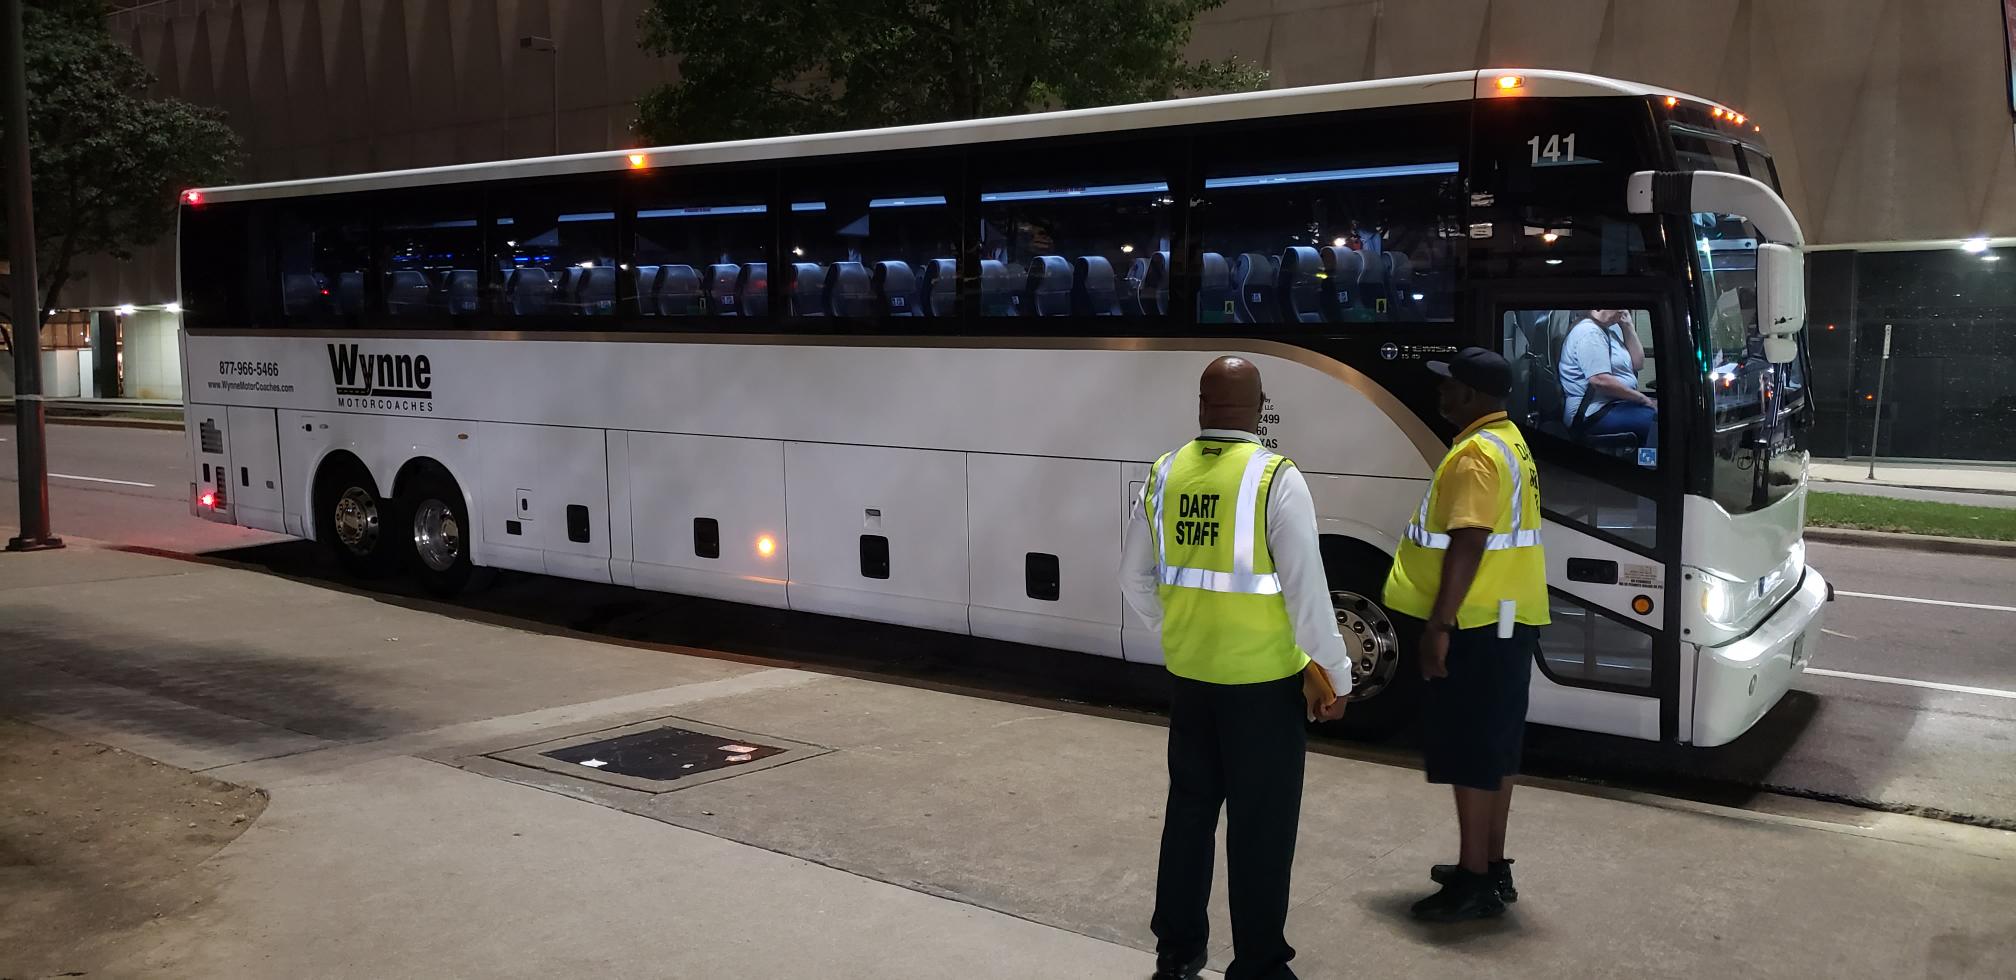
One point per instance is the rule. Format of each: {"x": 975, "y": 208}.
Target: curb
{"x": 1822, "y": 483}
{"x": 8, "y": 418}
{"x": 1912, "y": 542}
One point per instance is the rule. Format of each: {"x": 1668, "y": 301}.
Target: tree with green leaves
{"x": 107, "y": 160}
{"x": 750, "y": 68}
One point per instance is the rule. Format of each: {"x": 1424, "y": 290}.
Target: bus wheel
{"x": 355, "y": 522}
{"x": 440, "y": 532}
{"x": 1385, "y": 682}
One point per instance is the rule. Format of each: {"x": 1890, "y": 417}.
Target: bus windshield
{"x": 1754, "y": 407}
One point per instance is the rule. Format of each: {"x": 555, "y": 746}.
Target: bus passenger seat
{"x": 460, "y": 288}
{"x": 807, "y": 289}
{"x": 848, "y": 290}
{"x": 595, "y": 291}
{"x": 1093, "y": 292}
{"x": 895, "y": 288}
{"x": 406, "y": 292}
{"x": 301, "y": 294}
{"x": 1155, "y": 286}
{"x": 1130, "y": 288}
{"x": 1340, "y": 291}
{"x": 530, "y": 289}
{"x": 679, "y": 291}
{"x": 1400, "y": 279}
{"x": 1214, "y": 290}
{"x": 1048, "y": 292}
{"x": 1301, "y": 292}
{"x": 997, "y": 289}
{"x": 752, "y": 288}
{"x": 721, "y": 288}
{"x": 941, "y": 287}
{"x": 350, "y": 293}
{"x": 644, "y": 279}
{"x": 1254, "y": 275}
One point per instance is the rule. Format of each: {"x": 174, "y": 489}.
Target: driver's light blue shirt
{"x": 1592, "y": 350}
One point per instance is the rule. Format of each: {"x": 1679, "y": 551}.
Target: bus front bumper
{"x": 1737, "y": 682}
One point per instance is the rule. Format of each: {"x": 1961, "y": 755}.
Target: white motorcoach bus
{"x": 916, "y": 375}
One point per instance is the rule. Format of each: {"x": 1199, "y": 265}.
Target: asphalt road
{"x": 1881, "y": 721}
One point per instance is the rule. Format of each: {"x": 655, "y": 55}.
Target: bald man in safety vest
{"x": 1470, "y": 569}
{"x": 1222, "y": 555}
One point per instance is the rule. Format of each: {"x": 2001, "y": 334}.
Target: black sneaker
{"x": 1463, "y": 897}
{"x": 1500, "y": 871}
{"x": 1174, "y": 968}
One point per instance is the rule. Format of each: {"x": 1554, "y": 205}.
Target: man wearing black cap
{"x": 1471, "y": 570}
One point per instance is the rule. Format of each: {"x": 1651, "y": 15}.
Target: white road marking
{"x": 100, "y": 479}
{"x": 1844, "y": 636}
{"x": 1927, "y": 602}
{"x": 1907, "y": 682}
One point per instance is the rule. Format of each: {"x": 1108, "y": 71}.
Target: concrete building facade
{"x": 1890, "y": 121}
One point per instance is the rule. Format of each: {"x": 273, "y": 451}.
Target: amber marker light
{"x": 1507, "y": 83}
{"x": 766, "y": 546}
{"x": 638, "y": 160}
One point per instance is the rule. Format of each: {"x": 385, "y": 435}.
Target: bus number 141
{"x": 1556, "y": 149}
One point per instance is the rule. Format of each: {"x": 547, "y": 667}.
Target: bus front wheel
{"x": 355, "y": 522}
{"x": 1385, "y": 680}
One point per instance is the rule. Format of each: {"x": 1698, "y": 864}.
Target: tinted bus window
{"x": 701, "y": 247}
{"x": 227, "y": 280}
{"x": 324, "y": 256}
{"x": 1316, "y": 221}
{"x": 863, "y": 239}
{"x": 430, "y": 251}
{"x": 554, "y": 250}
{"x": 1075, "y": 240}
{"x": 1549, "y": 184}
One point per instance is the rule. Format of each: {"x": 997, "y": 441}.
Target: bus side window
{"x": 553, "y": 251}
{"x": 430, "y": 251}
{"x": 862, "y": 243}
{"x": 1331, "y": 229}
{"x": 1089, "y": 229}
{"x": 324, "y": 259}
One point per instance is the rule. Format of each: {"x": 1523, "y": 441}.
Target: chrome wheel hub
{"x": 1369, "y": 641}
{"x": 356, "y": 521}
{"x": 437, "y": 536}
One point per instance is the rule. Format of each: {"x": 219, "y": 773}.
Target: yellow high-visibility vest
{"x": 1224, "y": 620}
{"x": 1514, "y": 566}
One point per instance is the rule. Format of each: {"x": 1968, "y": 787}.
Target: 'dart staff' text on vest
{"x": 1197, "y": 524}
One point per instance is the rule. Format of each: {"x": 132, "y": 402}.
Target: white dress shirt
{"x": 1298, "y": 560}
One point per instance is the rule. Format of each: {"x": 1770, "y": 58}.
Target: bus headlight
{"x": 1727, "y": 601}
{"x": 1719, "y": 602}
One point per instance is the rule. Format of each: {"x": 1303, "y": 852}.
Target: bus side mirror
{"x": 1781, "y": 300}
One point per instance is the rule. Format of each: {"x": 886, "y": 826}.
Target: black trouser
{"x": 1241, "y": 746}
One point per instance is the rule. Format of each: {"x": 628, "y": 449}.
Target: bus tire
{"x": 354, "y": 521}
{"x": 1386, "y": 680}
{"x": 438, "y": 531}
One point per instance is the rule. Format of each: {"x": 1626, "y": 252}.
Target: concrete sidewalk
{"x": 940, "y": 835}
{"x": 1956, "y": 482}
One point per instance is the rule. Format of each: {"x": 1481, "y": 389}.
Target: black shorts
{"x": 1473, "y": 723}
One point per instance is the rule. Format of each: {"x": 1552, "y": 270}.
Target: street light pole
{"x": 533, "y": 42}
{"x": 31, "y": 453}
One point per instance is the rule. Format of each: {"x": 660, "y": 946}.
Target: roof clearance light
{"x": 1718, "y": 112}
{"x": 1672, "y": 100}
{"x": 192, "y": 197}
{"x": 1741, "y": 119}
{"x": 1974, "y": 245}
{"x": 1507, "y": 83}
{"x": 638, "y": 160}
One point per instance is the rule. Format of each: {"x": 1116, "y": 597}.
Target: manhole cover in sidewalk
{"x": 663, "y": 753}
{"x": 658, "y": 756}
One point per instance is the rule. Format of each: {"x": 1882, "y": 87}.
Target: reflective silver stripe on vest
{"x": 1161, "y": 483}
{"x": 1241, "y": 579}
{"x": 1418, "y": 532}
